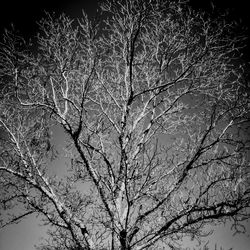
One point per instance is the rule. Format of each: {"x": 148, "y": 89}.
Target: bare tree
{"x": 154, "y": 103}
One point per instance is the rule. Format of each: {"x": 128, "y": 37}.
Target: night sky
{"x": 24, "y": 15}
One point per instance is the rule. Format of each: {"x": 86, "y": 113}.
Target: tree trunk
{"x": 123, "y": 240}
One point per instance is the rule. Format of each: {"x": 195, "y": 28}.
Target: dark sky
{"x": 24, "y": 14}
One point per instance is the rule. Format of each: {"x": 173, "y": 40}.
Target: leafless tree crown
{"x": 154, "y": 102}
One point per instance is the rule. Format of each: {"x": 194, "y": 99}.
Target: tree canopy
{"x": 153, "y": 98}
